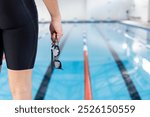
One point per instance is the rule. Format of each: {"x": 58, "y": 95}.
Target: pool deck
{"x": 144, "y": 25}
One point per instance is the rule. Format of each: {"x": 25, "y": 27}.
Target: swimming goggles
{"x": 55, "y": 52}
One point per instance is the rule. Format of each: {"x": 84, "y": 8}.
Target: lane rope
{"x": 87, "y": 79}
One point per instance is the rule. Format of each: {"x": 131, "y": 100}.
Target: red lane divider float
{"x": 87, "y": 80}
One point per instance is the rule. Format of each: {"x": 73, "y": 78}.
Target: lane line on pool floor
{"x": 47, "y": 77}
{"x": 129, "y": 83}
{"x": 87, "y": 79}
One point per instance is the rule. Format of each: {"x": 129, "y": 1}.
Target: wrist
{"x": 56, "y": 18}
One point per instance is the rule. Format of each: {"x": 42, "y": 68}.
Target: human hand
{"x": 56, "y": 29}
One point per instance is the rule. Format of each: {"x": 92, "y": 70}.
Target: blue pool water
{"x": 107, "y": 79}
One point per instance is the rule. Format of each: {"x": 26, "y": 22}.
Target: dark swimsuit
{"x": 18, "y": 33}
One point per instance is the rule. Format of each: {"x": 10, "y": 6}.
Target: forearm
{"x": 52, "y": 6}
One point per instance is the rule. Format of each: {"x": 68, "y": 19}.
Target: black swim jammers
{"x": 18, "y": 33}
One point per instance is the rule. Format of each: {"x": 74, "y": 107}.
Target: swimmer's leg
{"x": 20, "y": 82}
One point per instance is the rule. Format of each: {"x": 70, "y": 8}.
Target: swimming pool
{"x": 119, "y": 64}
